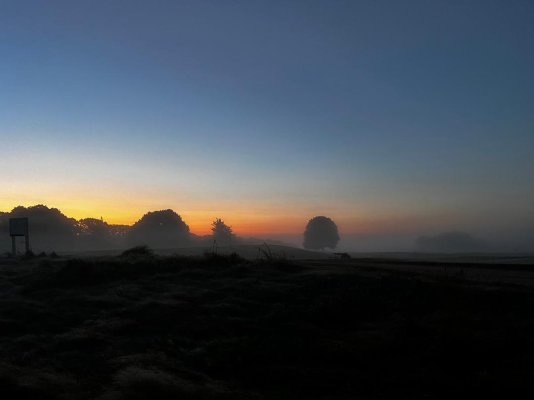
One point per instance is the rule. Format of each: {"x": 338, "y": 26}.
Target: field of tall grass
{"x": 140, "y": 326}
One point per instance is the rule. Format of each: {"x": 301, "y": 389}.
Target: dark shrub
{"x": 138, "y": 251}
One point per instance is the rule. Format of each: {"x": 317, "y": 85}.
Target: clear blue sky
{"x": 386, "y": 115}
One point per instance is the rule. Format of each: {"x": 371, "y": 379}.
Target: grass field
{"x": 221, "y": 327}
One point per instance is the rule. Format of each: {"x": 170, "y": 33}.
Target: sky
{"x": 392, "y": 118}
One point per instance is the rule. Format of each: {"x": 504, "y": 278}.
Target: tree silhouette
{"x": 50, "y": 229}
{"x": 95, "y": 233}
{"x": 161, "y": 229}
{"x": 222, "y": 233}
{"x": 320, "y": 232}
{"x": 450, "y": 242}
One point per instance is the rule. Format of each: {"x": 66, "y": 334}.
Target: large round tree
{"x": 320, "y": 232}
{"x": 160, "y": 229}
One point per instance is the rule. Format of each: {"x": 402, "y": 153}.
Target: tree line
{"x": 51, "y": 230}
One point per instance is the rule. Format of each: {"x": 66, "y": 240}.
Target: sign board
{"x": 18, "y": 226}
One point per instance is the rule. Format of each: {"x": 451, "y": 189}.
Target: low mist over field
{"x": 266, "y": 200}
{"x": 51, "y": 230}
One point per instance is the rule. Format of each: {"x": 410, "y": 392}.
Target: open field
{"x": 222, "y": 327}
{"x": 518, "y": 271}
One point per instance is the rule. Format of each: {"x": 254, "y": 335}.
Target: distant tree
{"x": 450, "y": 242}
{"x": 95, "y": 233}
{"x": 119, "y": 232}
{"x": 160, "y": 229}
{"x": 222, "y": 233}
{"x": 320, "y": 232}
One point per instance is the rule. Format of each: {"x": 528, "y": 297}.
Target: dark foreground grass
{"x": 139, "y": 326}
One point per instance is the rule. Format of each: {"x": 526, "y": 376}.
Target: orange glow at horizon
{"x": 199, "y": 221}
{"x": 254, "y": 216}
{"x": 245, "y": 221}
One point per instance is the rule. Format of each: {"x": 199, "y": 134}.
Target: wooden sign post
{"x": 19, "y": 227}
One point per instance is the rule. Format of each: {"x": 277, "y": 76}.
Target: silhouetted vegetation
{"x": 222, "y": 233}
{"x": 95, "y": 233}
{"x": 450, "y": 242}
{"x": 320, "y": 232}
{"x": 49, "y": 228}
{"x": 160, "y": 229}
{"x": 138, "y": 251}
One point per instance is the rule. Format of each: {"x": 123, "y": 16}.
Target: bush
{"x": 138, "y": 251}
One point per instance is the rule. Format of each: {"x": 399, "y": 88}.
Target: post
{"x": 19, "y": 227}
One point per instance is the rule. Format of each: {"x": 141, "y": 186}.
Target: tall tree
{"x": 222, "y": 233}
